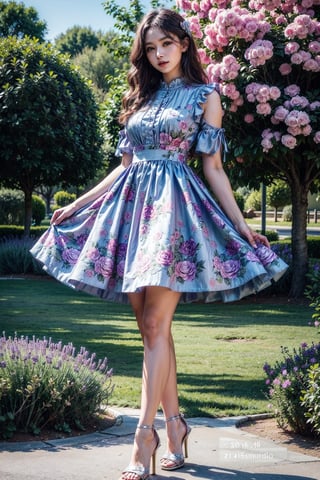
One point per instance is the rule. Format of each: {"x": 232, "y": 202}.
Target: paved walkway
{"x": 217, "y": 451}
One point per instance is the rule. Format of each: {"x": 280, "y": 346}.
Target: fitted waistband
{"x": 158, "y": 154}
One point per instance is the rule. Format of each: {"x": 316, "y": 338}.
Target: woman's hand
{"x": 254, "y": 238}
{"x": 62, "y": 213}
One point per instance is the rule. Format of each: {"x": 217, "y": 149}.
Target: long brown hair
{"x": 143, "y": 79}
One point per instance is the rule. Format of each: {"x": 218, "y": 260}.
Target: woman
{"x": 150, "y": 233}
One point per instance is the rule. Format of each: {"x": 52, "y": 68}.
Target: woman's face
{"x": 164, "y": 53}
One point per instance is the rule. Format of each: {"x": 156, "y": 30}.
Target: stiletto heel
{"x": 140, "y": 472}
{"x": 173, "y": 461}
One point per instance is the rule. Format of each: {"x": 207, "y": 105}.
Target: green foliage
{"x": 19, "y": 20}
{"x": 109, "y": 114}
{"x": 311, "y": 398}
{"x": 63, "y": 198}
{"x": 76, "y": 39}
{"x": 125, "y": 21}
{"x": 49, "y": 131}
{"x": 312, "y": 291}
{"x": 49, "y": 384}
{"x": 287, "y": 213}
{"x": 101, "y": 67}
{"x": 287, "y": 379}
{"x": 240, "y": 200}
{"x": 15, "y": 257}
{"x": 11, "y": 206}
{"x": 16, "y": 231}
{"x": 38, "y": 209}
{"x": 253, "y": 200}
{"x": 278, "y": 194}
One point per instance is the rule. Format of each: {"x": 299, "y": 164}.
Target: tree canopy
{"x": 76, "y": 39}
{"x": 18, "y": 20}
{"x": 49, "y": 131}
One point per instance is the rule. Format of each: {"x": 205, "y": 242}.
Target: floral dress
{"x": 158, "y": 224}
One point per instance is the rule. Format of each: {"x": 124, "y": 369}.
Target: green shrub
{"x": 287, "y": 213}
{"x": 15, "y": 257}
{"x": 253, "y": 200}
{"x": 11, "y": 206}
{"x": 287, "y": 380}
{"x": 313, "y": 246}
{"x": 38, "y": 209}
{"x": 46, "y": 384}
{"x": 62, "y": 199}
{"x": 311, "y": 398}
{"x": 17, "y": 231}
{"x": 240, "y": 200}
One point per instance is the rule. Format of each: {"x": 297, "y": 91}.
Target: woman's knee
{"x": 154, "y": 328}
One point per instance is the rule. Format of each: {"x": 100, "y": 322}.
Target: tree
{"x": 100, "y": 66}
{"x": 76, "y": 39}
{"x": 278, "y": 195}
{"x": 19, "y": 20}
{"x": 265, "y": 56}
{"x": 49, "y": 131}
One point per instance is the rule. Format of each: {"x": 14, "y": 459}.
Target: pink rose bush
{"x": 256, "y": 51}
{"x": 265, "y": 56}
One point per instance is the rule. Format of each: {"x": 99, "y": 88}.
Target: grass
{"x": 221, "y": 348}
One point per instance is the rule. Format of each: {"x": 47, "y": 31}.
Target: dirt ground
{"x": 268, "y": 428}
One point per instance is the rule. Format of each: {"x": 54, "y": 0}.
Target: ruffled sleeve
{"x": 202, "y": 92}
{"x": 124, "y": 144}
{"x": 210, "y": 139}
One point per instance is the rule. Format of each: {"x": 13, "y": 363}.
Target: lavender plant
{"x": 311, "y": 398}
{"x": 47, "y": 384}
{"x": 287, "y": 380}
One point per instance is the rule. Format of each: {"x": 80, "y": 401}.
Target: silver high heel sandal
{"x": 173, "y": 461}
{"x": 140, "y": 472}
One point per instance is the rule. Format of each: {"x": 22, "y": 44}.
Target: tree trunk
{"x": 27, "y": 212}
{"x": 299, "y": 194}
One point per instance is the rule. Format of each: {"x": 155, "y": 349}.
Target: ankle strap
{"x": 146, "y": 427}
{"x": 174, "y": 417}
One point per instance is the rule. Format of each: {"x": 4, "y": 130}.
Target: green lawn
{"x": 221, "y": 348}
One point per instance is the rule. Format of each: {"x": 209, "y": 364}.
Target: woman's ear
{"x": 185, "y": 44}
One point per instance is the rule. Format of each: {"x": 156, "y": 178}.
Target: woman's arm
{"x": 65, "y": 212}
{"x": 218, "y": 180}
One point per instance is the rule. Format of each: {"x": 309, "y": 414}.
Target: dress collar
{"x": 176, "y": 83}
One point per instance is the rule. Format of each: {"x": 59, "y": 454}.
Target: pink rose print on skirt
{"x": 70, "y": 256}
{"x": 185, "y": 270}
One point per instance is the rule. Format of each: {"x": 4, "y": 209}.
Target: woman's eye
{"x": 149, "y": 49}
{"x": 167, "y": 43}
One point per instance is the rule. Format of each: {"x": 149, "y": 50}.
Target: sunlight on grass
{"x": 220, "y": 348}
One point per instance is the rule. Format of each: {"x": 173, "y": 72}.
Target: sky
{"x": 63, "y": 14}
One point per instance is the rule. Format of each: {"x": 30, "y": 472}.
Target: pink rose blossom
{"x": 316, "y": 137}
{"x": 292, "y": 90}
{"x": 104, "y": 266}
{"x": 263, "y": 109}
{"x": 285, "y": 69}
{"x": 289, "y": 141}
{"x": 311, "y": 66}
{"x": 266, "y": 145}
{"x": 291, "y": 47}
{"x": 296, "y": 58}
{"x": 281, "y": 113}
{"x": 185, "y": 270}
{"x": 249, "y": 118}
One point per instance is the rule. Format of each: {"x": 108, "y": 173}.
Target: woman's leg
{"x": 154, "y": 308}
